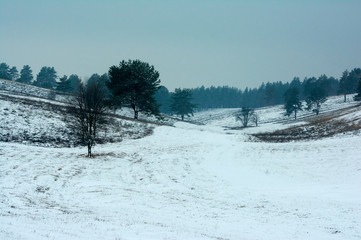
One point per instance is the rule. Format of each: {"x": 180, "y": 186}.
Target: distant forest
{"x": 268, "y": 94}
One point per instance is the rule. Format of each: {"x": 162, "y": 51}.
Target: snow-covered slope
{"x": 22, "y": 89}
{"x": 273, "y": 114}
{"x": 186, "y": 182}
{"x": 28, "y": 116}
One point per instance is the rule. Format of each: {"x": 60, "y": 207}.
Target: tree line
{"x": 133, "y": 83}
{"x": 46, "y": 78}
{"x": 268, "y": 94}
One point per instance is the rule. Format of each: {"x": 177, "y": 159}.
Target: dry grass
{"x": 317, "y": 127}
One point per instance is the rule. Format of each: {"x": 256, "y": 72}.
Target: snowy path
{"x": 187, "y": 182}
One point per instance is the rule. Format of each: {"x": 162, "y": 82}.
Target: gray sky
{"x": 190, "y": 43}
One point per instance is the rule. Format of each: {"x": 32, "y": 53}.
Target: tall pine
{"x": 181, "y": 103}
{"x": 26, "y": 75}
{"x": 292, "y": 101}
{"x": 134, "y": 84}
{"x": 46, "y": 78}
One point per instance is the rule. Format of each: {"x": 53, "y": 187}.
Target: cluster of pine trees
{"x": 267, "y": 94}
{"x": 47, "y": 78}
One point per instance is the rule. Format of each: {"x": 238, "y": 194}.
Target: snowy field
{"x": 186, "y": 182}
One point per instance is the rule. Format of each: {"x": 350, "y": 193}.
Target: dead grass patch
{"x": 321, "y": 126}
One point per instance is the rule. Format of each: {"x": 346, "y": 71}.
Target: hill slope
{"x": 186, "y": 182}
{"x": 29, "y": 116}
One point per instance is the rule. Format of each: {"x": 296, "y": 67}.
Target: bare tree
{"x": 88, "y": 108}
{"x": 245, "y": 115}
{"x": 255, "y": 118}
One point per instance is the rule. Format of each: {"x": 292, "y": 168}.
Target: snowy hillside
{"x": 185, "y": 182}
{"x": 28, "y": 116}
{"x": 274, "y": 114}
{"x": 17, "y": 88}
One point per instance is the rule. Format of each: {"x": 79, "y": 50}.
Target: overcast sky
{"x": 191, "y": 43}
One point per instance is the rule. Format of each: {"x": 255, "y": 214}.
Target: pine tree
{"x": 14, "y": 73}
{"x": 5, "y": 71}
{"x": 292, "y": 101}
{"x": 270, "y": 94}
{"x": 348, "y": 82}
{"x": 93, "y": 78}
{"x": 316, "y": 98}
{"x": 358, "y": 96}
{"x": 354, "y": 78}
{"x": 26, "y": 75}
{"x": 63, "y": 85}
{"x": 181, "y": 103}
{"x": 344, "y": 86}
{"x": 102, "y": 80}
{"x": 46, "y": 78}
{"x": 75, "y": 82}
{"x": 162, "y": 97}
{"x": 134, "y": 83}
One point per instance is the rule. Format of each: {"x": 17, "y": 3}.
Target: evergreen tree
{"x": 46, "y": 78}
{"x": 344, "y": 86}
{"x": 93, "y": 78}
{"x": 246, "y": 97}
{"x": 5, "y": 71}
{"x": 162, "y": 96}
{"x": 74, "y": 82}
{"x": 354, "y": 78}
{"x": 181, "y": 103}
{"x": 358, "y": 96}
{"x": 26, "y": 75}
{"x": 292, "y": 101}
{"x": 349, "y": 81}
{"x": 14, "y": 73}
{"x": 63, "y": 85}
{"x": 296, "y": 83}
{"x": 329, "y": 84}
{"x": 102, "y": 80}
{"x": 308, "y": 84}
{"x": 134, "y": 83}
{"x": 270, "y": 94}
{"x": 316, "y": 98}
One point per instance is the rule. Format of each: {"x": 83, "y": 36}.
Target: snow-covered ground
{"x": 185, "y": 182}
{"x": 22, "y": 89}
{"x": 275, "y": 114}
{"x": 36, "y": 121}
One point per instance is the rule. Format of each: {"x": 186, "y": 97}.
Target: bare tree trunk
{"x": 318, "y": 108}
{"x": 135, "y": 109}
{"x": 344, "y": 97}
{"x": 295, "y": 114}
{"x": 182, "y": 117}
{"x": 89, "y": 149}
